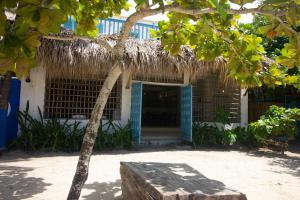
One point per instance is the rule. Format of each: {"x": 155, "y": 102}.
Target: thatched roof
{"x": 84, "y": 56}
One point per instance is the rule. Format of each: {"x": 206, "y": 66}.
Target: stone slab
{"x": 166, "y": 181}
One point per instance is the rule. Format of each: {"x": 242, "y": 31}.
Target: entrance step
{"x": 160, "y": 140}
{"x": 160, "y": 132}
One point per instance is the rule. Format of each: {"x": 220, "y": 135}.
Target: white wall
{"x": 34, "y": 91}
{"x": 186, "y": 77}
{"x": 244, "y": 108}
{"x": 125, "y": 98}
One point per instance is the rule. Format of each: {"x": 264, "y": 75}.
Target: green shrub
{"x": 209, "y": 135}
{"x": 58, "y": 135}
{"x": 113, "y": 136}
{"x": 204, "y": 135}
{"x": 216, "y": 135}
{"x": 228, "y": 137}
{"x": 277, "y": 122}
{"x": 244, "y": 137}
{"x": 47, "y": 135}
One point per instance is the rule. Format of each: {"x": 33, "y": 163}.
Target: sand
{"x": 260, "y": 175}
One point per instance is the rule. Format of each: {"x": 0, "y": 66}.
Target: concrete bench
{"x": 164, "y": 181}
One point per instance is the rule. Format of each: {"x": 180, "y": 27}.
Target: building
{"x": 160, "y": 94}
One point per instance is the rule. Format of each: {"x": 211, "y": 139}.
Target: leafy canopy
{"x": 218, "y": 34}
{"x": 24, "y": 21}
{"x": 274, "y": 44}
{"x": 210, "y": 27}
{"x": 276, "y": 122}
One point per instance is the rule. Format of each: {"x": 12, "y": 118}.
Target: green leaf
{"x": 33, "y": 40}
{"x": 266, "y": 2}
{"x": 10, "y": 3}
{"x": 219, "y": 7}
{"x": 3, "y": 23}
{"x": 241, "y": 2}
{"x": 291, "y": 15}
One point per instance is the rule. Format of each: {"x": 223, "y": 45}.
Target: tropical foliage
{"x": 24, "y": 21}
{"x": 214, "y": 35}
{"x": 214, "y": 134}
{"x": 276, "y": 122}
{"x": 274, "y": 44}
{"x": 63, "y": 135}
{"x": 207, "y": 26}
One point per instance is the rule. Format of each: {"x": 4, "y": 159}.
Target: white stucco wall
{"x": 126, "y": 98}
{"x": 33, "y": 91}
{"x": 244, "y": 108}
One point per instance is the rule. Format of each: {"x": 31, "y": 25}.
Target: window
{"x": 209, "y": 94}
{"x": 75, "y": 98}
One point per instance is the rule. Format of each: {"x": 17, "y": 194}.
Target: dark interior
{"x": 161, "y": 106}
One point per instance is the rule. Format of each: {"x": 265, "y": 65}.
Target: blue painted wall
{"x": 12, "y": 119}
{"x": 9, "y": 117}
{"x": 2, "y": 129}
{"x": 112, "y": 26}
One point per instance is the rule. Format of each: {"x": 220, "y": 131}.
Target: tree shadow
{"x": 291, "y": 163}
{"x": 105, "y": 190}
{"x": 180, "y": 178}
{"x": 15, "y": 185}
{"x": 294, "y": 146}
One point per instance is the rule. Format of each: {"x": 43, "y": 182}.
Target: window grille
{"x": 209, "y": 94}
{"x": 75, "y": 99}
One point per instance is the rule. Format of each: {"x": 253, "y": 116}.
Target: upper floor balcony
{"x": 140, "y": 30}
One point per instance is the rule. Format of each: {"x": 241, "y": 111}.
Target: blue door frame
{"x": 186, "y": 115}
{"x": 185, "y": 112}
{"x": 136, "y": 111}
{"x": 9, "y": 117}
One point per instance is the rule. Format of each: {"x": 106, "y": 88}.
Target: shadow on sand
{"x": 105, "y": 191}
{"x": 291, "y": 163}
{"x": 15, "y": 185}
{"x": 176, "y": 178}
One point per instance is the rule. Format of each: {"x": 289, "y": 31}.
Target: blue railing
{"x": 112, "y": 26}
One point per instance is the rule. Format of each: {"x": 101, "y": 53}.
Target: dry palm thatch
{"x": 80, "y": 57}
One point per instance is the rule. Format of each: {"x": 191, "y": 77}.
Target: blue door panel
{"x": 14, "y": 103}
{"x": 9, "y": 117}
{"x": 136, "y": 111}
{"x": 186, "y": 113}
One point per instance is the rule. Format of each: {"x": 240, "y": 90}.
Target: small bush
{"x": 277, "y": 122}
{"x": 57, "y": 135}
{"x": 228, "y": 137}
{"x": 216, "y": 135}
{"x": 114, "y": 136}
{"x": 204, "y": 135}
{"x": 47, "y": 135}
{"x": 244, "y": 137}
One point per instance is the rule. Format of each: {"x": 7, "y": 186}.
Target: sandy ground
{"x": 260, "y": 175}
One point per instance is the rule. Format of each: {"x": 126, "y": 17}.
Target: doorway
{"x": 160, "y": 110}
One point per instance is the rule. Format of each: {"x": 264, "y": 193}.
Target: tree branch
{"x": 195, "y": 12}
{"x": 293, "y": 31}
{"x": 132, "y": 19}
{"x": 104, "y": 43}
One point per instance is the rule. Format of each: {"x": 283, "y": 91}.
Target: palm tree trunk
{"x": 81, "y": 174}
{"x": 4, "y": 92}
